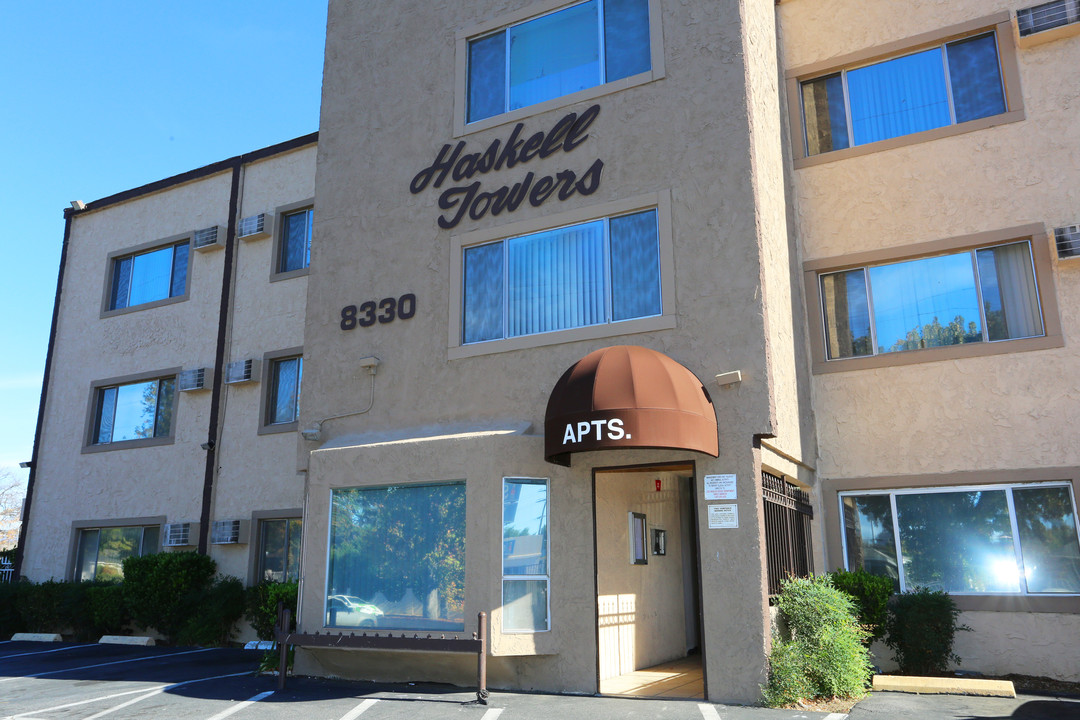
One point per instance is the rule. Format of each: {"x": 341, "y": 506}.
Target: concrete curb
{"x": 944, "y": 686}
{"x": 35, "y": 637}
{"x": 126, "y": 640}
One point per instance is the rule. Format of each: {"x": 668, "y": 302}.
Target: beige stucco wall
{"x": 255, "y": 472}
{"x": 1002, "y": 414}
{"x": 144, "y": 482}
{"x": 686, "y": 136}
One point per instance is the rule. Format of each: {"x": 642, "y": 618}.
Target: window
{"x": 279, "y": 550}
{"x": 525, "y": 555}
{"x": 286, "y": 375}
{"x": 598, "y": 272}
{"x": 132, "y": 411}
{"x": 638, "y": 539}
{"x": 581, "y": 46}
{"x": 102, "y": 551}
{"x": 980, "y": 295}
{"x": 1014, "y": 539}
{"x": 150, "y": 276}
{"x": 294, "y": 246}
{"x": 948, "y": 84}
{"x": 397, "y": 557}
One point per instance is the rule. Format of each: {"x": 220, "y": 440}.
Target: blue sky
{"x": 104, "y": 96}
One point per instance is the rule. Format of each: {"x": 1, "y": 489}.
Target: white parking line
{"x": 145, "y": 694}
{"x": 836, "y": 716}
{"x": 708, "y": 712}
{"x": 43, "y": 652}
{"x": 115, "y": 662}
{"x": 359, "y": 709}
{"x": 492, "y": 714}
{"x": 240, "y": 706}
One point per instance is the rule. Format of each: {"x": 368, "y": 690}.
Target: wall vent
{"x": 228, "y": 532}
{"x": 193, "y": 379}
{"x": 1068, "y": 241}
{"x": 1047, "y": 16}
{"x": 254, "y": 227}
{"x": 241, "y": 371}
{"x": 178, "y": 535}
{"x": 208, "y": 238}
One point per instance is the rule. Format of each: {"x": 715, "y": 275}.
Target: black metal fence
{"x": 788, "y": 545}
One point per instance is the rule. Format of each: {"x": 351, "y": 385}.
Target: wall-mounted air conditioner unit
{"x": 182, "y": 534}
{"x": 241, "y": 371}
{"x": 210, "y": 238}
{"x": 1048, "y": 21}
{"x": 194, "y": 379}
{"x": 1067, "y": 240}
{"x": 229, "y": 532}
{"x": 254, "y": 227}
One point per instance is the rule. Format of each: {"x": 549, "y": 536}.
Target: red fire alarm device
{"x": 657, "y": 484}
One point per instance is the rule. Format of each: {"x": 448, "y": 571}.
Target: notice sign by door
{"x": 720, "y": 487}
{"x": 723, "y": 516}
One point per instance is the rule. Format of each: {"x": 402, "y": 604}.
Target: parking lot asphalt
{"x": 90, "y": 681}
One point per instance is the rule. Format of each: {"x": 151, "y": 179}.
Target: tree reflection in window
{"x": 397, "y": 557}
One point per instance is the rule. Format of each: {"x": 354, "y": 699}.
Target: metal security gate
{"x": 788, "y": 545}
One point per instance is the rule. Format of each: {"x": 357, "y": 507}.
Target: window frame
{"x": 546, "y": 577}
{"x": 280, "y": 213}
{"x": 1039, "y": 241}
{"x": 545, "y": 7}
{"x": 999, "y": 23}
{"x": 1006, "y": 488}
{"x": 255, "y": 535}
{"x": 661, "y": 202}
{"x": 260, "y": 554}
{"x": 110, "y": 266}
{"x": 90, "y": 446}
{"x": 268, "y": 392}
{"x": 833, "y": 528}
{"x": 79, "y": 526}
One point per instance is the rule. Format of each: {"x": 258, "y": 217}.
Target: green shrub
{"x": 108, "y": 613}
{"x": 871, "y": 593}
{"x": 921, "y": 630}
{"x": 10, "y": 618}
{"x": 823, "y": 655}
{"x": 219, "y": 606}
{"x": 260, "y": 606}
{"x": 163, "y": 591}
{"x": 41, "y": 607}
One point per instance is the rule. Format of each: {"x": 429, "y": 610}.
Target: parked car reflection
{"x": 351, "y": 611}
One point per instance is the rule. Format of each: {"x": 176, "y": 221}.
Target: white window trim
{"x": 546, "y": 577}
{"x": 660, "y": 201}
{"x": 937, "y": 489}
{"x": 461, "y": 67}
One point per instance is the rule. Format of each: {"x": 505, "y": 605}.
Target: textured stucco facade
{"x": 710, "y": 137}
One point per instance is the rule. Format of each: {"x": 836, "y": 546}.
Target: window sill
{"x": 937, "y": 354}
{"x": 289, "y": 274}
{"x": 128, "y": 444}
{"x": 279, "y": 428}
{"x": 1018, "y": 603}
{"x": 913, "y": 139}
{"x": 592, "y": 332}
{"x": 143, "y": 306}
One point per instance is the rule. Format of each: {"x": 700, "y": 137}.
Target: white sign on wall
{"x": 723, "y": 516}
{"x": 720, "y": 487}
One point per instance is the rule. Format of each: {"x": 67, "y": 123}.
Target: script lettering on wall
{"x": 468, "y": 199}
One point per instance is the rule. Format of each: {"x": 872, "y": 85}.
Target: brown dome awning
{"x": 628, "y": 396}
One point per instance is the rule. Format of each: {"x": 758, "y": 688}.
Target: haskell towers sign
{"x": 467, "y": 199}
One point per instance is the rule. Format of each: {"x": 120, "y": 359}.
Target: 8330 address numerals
{"x": 382, "y": 311}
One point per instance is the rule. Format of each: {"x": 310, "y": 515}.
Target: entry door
{"x": 646, "y": 569}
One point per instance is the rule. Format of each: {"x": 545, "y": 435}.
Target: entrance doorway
{"x": 648, "y": 601}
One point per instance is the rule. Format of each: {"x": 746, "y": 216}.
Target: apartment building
{"x": 174, "y": 367}
{"x": 615, "y": 312}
